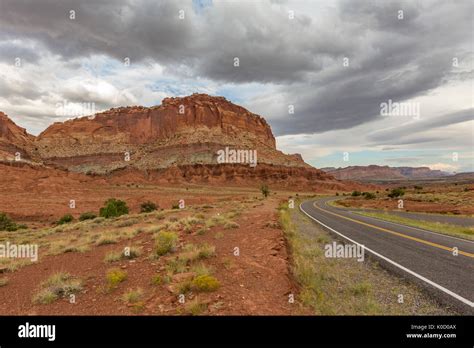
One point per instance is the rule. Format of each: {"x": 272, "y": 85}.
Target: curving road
{"x": 424, "y": 256}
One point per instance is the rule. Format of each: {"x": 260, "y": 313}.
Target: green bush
{"x": 147, "y": 207}
{"x": 113, "y": 207}
{"x": 87, "y": 216}
{"x": 65, "y": 219}
{"x": 355, "y": 193}
{"x": 7, "y": 224}
{"x": 369, "y": 195}
{"x": 175, "y": 206}
{"x": 265, "y": 190}
{"x": 397, "y": 192}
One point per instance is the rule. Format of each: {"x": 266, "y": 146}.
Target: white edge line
{"x": 426, "y": 280}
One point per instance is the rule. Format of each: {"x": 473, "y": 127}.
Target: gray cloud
{"x": 11, "y": 51}
{"x": 301, "y": 59}
{"x": 395, "y": 135}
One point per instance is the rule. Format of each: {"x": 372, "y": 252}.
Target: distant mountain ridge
{"x": 376, "y": 172}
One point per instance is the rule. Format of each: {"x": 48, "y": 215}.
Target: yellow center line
{"x": 436, "y": 245}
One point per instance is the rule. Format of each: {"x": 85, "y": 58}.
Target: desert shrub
{"x": 160, "y": 280}
{"x": 147, "y": 207}
{"x": 133, "y": 296}
{"x": 132, "y": 252}
{"x": 56, "y": 286}
{"x": 165, "y": 242}
{"x": 113, "y": 207}
{"x": 115, "y": 276}
{"x": 195, "y": 307}
{"x": 337, "y": 193}
{"x": 231, "y": 224}
{"x": 176, "y": 265}
{"x": 355, "y": 193}
{"x": 416, "y": 187}
{"x": 396, "y": 192}
{"x": 205, "y": 283}
{"x": 106, "y": 239}
{"x": 87, "y": 216}
{"x": 184, "y": 287}
{"x": 192, "y": 252}
{"x": 369, "y": 195}
{"x": 65, "y": 219}
{"x": 175, "y": 206}
{"x": 127, "y": 253}
{"x": 113, "y": 256}
{"x": 7, "y": 224}
{"x": 265, "y": 190}
{"x": 201, "y": 269}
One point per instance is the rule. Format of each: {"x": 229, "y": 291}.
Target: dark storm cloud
{"x": 389, "y": 58}
{"x": 270, "y": 46}
{"x": 392, "y": 63}
{"x": 116, "y": 28}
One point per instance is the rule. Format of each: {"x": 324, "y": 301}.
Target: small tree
{"x": 147, "y": 207}
{"x": 113, "y": 207}
{"x": 265, "y": 190}
{"x": 65, "y": 219}
{"x": 6, "y": 224}
{"x": 369, "y": 195}
{"x": 397, "y": 192}
{"x": 355, "y": 193}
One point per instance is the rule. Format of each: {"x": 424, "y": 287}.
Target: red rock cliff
{"x": 181, "y": 131}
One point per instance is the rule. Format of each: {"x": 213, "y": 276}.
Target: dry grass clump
{"x": 57, "y": 286}
{"x": 165, "y": 242}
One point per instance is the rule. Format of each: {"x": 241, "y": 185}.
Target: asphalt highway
{"x": 427, "y": 257}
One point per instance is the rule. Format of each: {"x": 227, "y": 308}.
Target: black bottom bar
{"x": 163, "y": 331}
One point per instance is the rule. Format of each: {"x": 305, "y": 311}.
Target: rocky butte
{"x": 177, "y": 140}
{"x": 15, "y": 142}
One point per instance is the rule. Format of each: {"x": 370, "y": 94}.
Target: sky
{"x": 349, "y": 82}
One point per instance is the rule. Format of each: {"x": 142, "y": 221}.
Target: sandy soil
{"x": 257, "y": 281}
